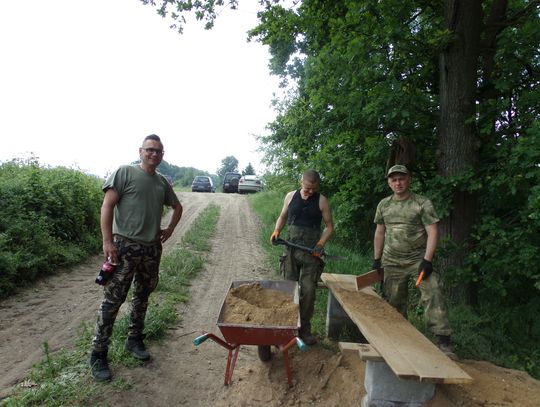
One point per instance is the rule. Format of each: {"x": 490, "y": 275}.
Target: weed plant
{"x": 63, "y": 378}
{"x": 197, "y": 238}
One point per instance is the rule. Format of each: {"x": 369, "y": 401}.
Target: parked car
{"x": 202, "y": 183}
{"x": 230, "y": 181}
{"x": 250, "y": 183}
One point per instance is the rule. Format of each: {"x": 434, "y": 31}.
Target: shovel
{"x": 284, "y": 242}
{"x": 369, "y": 278}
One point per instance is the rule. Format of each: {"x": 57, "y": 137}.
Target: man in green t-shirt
{"x": 404, "y": 245}
{"x": 132, "y": 238}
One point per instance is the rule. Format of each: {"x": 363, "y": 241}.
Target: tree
{"x": 459, "y": 79}
{"x": 179, "y": 176}
{"x": 458, "y": 138}
{"x": 203, "y": 10}
{"x": 228, "y": 164}
{"x": 249, "y": 170}
{"x": 371, "y": 72}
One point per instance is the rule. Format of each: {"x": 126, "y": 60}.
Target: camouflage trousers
{"x": 298, "y": 265}
{"x": 396, "y": 289}
{"x": 138, "y": 264}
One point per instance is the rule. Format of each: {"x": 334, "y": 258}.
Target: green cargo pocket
{"x": 283, "y": 264}
{"x": 321, "y": 270}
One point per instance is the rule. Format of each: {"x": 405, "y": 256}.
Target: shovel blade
{"x": 369, "y": 278}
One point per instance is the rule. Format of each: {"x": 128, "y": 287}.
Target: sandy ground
{"x": 180, "y": 373}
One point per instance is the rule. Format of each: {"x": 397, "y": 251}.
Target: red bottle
{"x": 106, "y": 272}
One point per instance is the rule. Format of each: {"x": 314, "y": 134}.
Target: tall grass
{"x": 63, "y": 379}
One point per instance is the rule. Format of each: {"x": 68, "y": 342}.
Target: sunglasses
{"x": 151, "y": 150}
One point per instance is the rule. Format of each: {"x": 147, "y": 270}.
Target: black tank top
{"x": 306, "y": 212}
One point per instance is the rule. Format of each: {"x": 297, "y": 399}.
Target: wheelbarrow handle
{"x": 301, "y": 345}
{"x": 200, "y": 339}
{"x": 284, "y": 242}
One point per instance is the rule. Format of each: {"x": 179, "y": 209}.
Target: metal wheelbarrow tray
{"x": 263, "y": 336}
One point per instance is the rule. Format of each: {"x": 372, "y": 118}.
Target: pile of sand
{"x": 252, "y": 304}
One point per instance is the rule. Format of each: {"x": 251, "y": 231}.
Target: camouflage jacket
{"x": 405, "y": 221}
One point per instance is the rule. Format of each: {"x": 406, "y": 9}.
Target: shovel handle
{"x": 284, "y": 242}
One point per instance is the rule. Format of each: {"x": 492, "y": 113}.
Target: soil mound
{"x": 254, "y": 305}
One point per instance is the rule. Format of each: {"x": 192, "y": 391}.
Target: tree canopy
{"x": 249, "y": 170}
{"x": 228, "y": 164}
{"x": 456, "y": 79}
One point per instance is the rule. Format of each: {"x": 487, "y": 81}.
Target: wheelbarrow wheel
{"x": 265, "y": 352}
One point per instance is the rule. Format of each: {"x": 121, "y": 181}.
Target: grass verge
{"x": 63, "y": 378}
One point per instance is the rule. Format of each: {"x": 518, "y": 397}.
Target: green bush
{"x": 502, "y": 327}
{"x": 49, "y": 218}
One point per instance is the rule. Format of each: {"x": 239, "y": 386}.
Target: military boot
{"x": 100, "y": 366}
{"x": 135, "y": 346}
{"x": 306, "y": 335}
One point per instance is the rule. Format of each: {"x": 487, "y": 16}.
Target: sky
{"x": 82, "y": 82}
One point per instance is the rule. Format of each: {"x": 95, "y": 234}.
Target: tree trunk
{"x": 458, "y": 141}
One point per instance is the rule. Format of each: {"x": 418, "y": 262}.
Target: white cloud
{"x": 83, "y": 82}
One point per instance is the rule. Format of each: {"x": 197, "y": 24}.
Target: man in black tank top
{"x": 303, "y": 210}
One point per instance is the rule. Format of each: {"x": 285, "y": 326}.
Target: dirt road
{"x": 180, "y": 373}
{"x": 53, "y": 309}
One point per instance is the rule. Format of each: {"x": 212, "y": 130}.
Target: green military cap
{"x": 397, "y": 168}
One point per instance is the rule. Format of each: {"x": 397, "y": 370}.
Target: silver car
{"x": 249, "y": 183}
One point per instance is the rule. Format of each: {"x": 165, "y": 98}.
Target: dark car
{"x": 230, "y": 182}
{"x": 202, "y": 183}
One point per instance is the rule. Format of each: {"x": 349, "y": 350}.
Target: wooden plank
{"x": 338, "y": 284}
{"x": 364, "y": 350}
{"x": 409, "y": 354}
{"x": 347, "y": 282}
{"x": 368, "y": 352}
{"x": 348, "y": 346}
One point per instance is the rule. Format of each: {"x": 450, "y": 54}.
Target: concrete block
{"x": 385, "y": 389}
{"x": 337, "y": 320}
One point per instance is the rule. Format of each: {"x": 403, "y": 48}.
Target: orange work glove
{"x": 318, "y": 250}
{"x": 275, "y": 235}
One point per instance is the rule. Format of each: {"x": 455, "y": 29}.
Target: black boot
{"x": 445, "y": 345}
{"x": 135, "y": 346}
{"x": 306, "y": 335}
{"x": 100, "y": 366}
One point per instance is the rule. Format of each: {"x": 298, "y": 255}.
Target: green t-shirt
{"x": 142, "y": 196}
{"x": 405, "y": 237}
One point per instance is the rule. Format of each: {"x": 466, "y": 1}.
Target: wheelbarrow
{"x": 263, "y": 336}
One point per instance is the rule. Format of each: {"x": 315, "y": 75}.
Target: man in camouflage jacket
{"x": 404, "y": 245}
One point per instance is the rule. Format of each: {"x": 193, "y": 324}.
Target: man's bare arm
{"x": 432, "y": 237}
{"x": 175, "y": 218}
{"x": 282, "y": 218}
{"x": 378, "y": 241}
{"x": 110, "y": 200}
{"x": 328, "y": 231}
